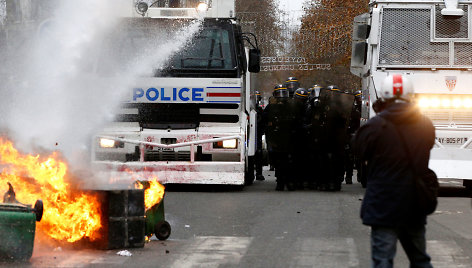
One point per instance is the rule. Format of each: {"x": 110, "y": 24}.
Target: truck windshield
{"x": 211, "y": 49}
{"x": 146, "y": 44}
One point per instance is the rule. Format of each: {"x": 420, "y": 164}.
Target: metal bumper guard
{"x": 168, "y": 172}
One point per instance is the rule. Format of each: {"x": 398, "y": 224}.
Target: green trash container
{"x": 156, "y": 223}
{"x": 17, "y": 230}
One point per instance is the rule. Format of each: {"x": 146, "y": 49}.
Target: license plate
{"x": 452, "y": 140}
{"x": 165, "y": 149}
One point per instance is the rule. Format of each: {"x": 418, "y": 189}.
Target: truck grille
{"x": 405, "y": 39}
{"x": 413, "y": 37}
{"x": 452, "y": 28}
{"x": 463, "y": 54}
{"x": 178, "y": 115}
{"x": 166, "y": 156}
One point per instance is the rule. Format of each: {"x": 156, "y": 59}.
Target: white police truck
{"x": 430, "y": 41}
{"x": 193, "y": 120}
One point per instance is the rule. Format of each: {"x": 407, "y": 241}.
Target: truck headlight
{"x": 202, "y": 7}
{"x": 230, "y": 144}
{"x": 107, "y": 143}
{"x": 227, "y": 144}
{"x": 446, "y": 102}
{"x": 468, "y": 103}
{"x": 424, "y": 102}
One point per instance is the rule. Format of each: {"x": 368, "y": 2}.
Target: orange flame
{"x": 69, "y": 215}
{"x": 153, "y": 194}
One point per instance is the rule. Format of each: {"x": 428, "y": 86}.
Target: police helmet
{"x": 358, "y": 95}
{"x": 396, "y": 86}
{"x": 280, "y": 91}
{"x": 301, "y": 93}
{"x": 316, "y": 90}
{"x": 292, "y": 84}
{"x": 258, "y": 97}
{"x": 333, "y": 88}
{"x": 279, "y": 86}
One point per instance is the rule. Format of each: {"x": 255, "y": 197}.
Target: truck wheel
{"x": 249, "y": 172}
{"x": 38, "y": 210}
{"x": 162, "y": 230}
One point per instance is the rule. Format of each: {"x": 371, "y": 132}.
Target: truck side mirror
{"x": 254, "y": 60}
{"x": 360, "y": 34}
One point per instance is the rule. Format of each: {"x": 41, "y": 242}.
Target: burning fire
{"x": 153, "y": 193}
{"x": 68, "y": 215}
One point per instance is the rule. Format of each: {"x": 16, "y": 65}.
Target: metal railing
{"x": 192, "y": 144}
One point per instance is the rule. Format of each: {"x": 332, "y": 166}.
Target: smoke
{"x": 3, "y": 11}
{"x": 52, "y": 97}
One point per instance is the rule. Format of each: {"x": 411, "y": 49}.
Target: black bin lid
{"x": 15, "y": 207}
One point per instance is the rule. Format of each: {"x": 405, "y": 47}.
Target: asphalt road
{"x": 259, "y": 227}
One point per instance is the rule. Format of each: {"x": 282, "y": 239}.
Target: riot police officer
{"x": 300, "y": 150}
{"x": 259, "y": 132}
{"x": 278, "y": 119}
{"x": 354, "y": 124}
{"x": 312, "y": 125}
{"x": 336, "y": 107}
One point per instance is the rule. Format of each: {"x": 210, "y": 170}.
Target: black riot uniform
{"x": 280, "y": 125}
{"x": 354, "y": 124}
{"x": 312, "y": 127}
{"x": 259, "y": 132}
{"x": 334, "y": 115}
{"x": 301, "y": 151}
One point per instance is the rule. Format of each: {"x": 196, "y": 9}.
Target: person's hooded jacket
{"x": 389, "y": 200}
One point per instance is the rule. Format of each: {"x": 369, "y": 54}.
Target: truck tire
{"x": 249, "y": 171}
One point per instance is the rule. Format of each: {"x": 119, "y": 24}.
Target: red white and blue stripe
{"x": 223, "y": 94}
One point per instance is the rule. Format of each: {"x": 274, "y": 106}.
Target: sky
{"x": 291, "y": 4}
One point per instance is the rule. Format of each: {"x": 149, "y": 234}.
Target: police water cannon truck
{"x": 430, "y": 41}
{"x": 194, "y": 120}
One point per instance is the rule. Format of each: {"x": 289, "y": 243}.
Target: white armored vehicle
{"x": 431, "y": 42}
{"x": 193, "y": 121}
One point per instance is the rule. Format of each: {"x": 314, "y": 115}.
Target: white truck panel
{"x": 222, "y": 173}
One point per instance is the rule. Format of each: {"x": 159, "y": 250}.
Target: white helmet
{"x": 397, "y": 86}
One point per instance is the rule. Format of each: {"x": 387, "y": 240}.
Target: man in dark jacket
{"x": 389, "y": 205}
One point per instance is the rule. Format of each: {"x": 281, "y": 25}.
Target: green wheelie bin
{"x": 17, "y": 230}
{"x": 156, "y": 223}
